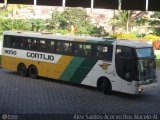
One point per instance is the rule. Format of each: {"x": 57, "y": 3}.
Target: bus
{"x": 108, "y": 64}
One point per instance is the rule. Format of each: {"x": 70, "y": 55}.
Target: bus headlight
{"x": 140, "y": 90}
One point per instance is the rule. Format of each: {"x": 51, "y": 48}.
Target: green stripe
{"x": 71, "y": 68}
{"x": 83, "y": 70}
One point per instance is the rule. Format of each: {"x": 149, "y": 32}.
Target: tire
{"x": 106, "y": 86}
{"x": 22, "y": 70}
{"x": 33, "y": 72}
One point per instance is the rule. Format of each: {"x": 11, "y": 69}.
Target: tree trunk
{"x": 113, "y": 26}
{"x": 113, "y": 29}
{"x": 127, "y": 26}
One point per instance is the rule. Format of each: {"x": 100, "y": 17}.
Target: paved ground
{"x": 22, "y": 95}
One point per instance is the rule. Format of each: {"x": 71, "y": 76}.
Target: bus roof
{"x": 133, "y": 43}
{"x": 106, "y": 41}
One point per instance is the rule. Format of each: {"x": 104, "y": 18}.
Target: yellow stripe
{"x": 11, "y": 63}
{"x": 55, "y": 70}
{"x": 45, "y": 69}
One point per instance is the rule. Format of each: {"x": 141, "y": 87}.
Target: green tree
{"x": 37, "y": 24}
{"x": 127, "y": 19}
{"x": 75, "y": 16}
{"x": 71, "y": 18}
{"x": 55, "y": 21}
{"x": 21, "y": 24}
{"x": 17, "y": 24}
{"x": 10, "y": 23}
{"x": 6, "y": 24}
{"x": 155, "y": 23}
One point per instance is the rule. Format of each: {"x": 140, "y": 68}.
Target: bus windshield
{"x": 146, "y": 69}
{"x": 144, "y": 52}
{"x": 135, "y": 64}
{"x": 147, "y": 66}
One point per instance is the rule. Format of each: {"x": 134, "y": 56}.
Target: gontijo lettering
{"x": 40, "y": 56}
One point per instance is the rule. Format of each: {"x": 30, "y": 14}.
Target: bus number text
{"x": 12, "y": 52}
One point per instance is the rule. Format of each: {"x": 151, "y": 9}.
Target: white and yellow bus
{"x": 119, "y": 65}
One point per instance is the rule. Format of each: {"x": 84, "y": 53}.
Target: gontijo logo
{"x": 104, "y": 66}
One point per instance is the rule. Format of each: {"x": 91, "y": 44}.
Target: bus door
{"x": 125, "y": 67}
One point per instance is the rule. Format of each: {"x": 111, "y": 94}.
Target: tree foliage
{"x": 16, "y": 24}
{"x": 155, "y": 23}
{"x": 37, "y": 24}
{"x": 6, "y": 24}
{"x": 74, "y": 20}
{"x": 70, "y": 16}
{"x": 126, "y": 19}
{"x": 70, "y": 20}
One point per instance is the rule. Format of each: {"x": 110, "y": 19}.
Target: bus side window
{"x": 16, "y": 42}
{"x": 68, "y": 48}
{"x": 78, "y": 49}
{"x": 103, "y": 52}
{"x": 42, "y": 45}
{"x": 52, "y": 46}
{"x": 29, "y": 42}
{"x": 7, "y": 41}
{"x": 59, "y": 47}
{"x": 24, "y": 43}
{"x": 99, "y": 53}
{"x": 33, "y": 44}
{"x": 125, "y": 52}
{"x": 47, "y": 46}
{"x": 87, "y": 49}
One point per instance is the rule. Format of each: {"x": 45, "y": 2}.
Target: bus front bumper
{"x": 145, "y": 86}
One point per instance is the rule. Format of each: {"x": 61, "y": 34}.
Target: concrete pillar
{"x": 64, "y": 3}
{"x": 92, "y": 5}
{"x": 119, "y": 4}
{"x": 35, "y": 2}
{"x": 147, "y": 5}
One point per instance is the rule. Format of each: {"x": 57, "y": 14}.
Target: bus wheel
{"x": 33, "y": 72}
{"x": 22, "y": 70}
{"x": 106, "y": 86}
